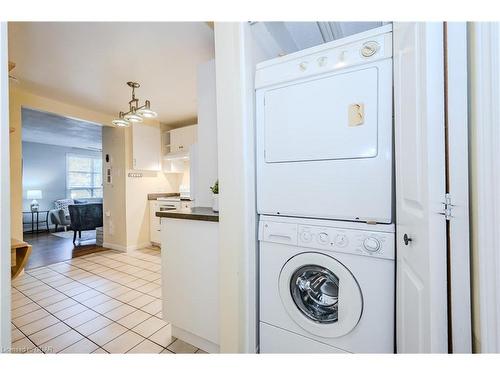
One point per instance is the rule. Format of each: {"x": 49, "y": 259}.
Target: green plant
{"x": 215, "y": 188}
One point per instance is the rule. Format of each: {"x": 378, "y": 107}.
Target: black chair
{"x": 85, "y": 217}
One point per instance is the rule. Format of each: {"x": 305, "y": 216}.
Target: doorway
{"x": 61, "y": 167}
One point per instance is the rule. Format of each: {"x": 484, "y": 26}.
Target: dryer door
{"x": 320, "y": 294}
{"x": 333, "y": 117}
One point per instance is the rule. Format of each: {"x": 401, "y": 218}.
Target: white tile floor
{"x": 106, "y": 302}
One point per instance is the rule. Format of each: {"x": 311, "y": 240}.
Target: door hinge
{"x": 447, "y": 207}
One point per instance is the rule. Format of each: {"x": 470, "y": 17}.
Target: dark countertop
{"x": 194, "y": 213}
{"x": 155, "y": 196}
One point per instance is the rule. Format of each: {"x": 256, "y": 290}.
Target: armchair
{"x": 60, "y": 215}
{"x": 85, "y": 217}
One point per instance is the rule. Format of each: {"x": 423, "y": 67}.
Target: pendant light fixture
{"x": 135, "y": 113}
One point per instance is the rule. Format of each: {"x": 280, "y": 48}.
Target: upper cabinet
{"x": 146, "y": 147}
{"x": 182, "y": 138}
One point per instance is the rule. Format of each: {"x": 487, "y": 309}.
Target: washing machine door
{"x": 320, "y": 294}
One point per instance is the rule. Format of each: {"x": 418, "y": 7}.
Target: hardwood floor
{"x": 48, "y": 249}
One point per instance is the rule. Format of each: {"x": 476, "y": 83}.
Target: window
{"x": 83, "y": 176}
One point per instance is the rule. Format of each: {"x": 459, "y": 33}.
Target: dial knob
{"x": 371, "y": 244}
{"x": 306, "y": 236}
{"x": 369, "y": 49}
{"x": 341, "y": 240}
{"x": 323, "y": 238}
{"x": 322, "y": 61}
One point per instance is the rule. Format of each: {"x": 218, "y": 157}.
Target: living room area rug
{"x": 86, "y": 235}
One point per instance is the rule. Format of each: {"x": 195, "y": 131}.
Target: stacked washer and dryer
{"x": 325, "y": 198}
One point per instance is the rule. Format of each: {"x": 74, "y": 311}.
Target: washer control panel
{"x": 361, "y": 242}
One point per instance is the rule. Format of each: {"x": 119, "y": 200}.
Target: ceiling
{"x": 48, "y": 128}
{"x": 88, "y": 63}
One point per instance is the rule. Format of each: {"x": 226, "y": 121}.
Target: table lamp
{"x": 34, "y": 194}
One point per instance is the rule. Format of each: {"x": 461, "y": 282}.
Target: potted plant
{"x": 215, "y": 196}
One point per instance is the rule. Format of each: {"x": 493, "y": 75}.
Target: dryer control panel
{"x": 361, "y": 242}
{"x": 370, "y": 46}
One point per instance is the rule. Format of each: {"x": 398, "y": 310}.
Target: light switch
{"x": 356, "y": 114}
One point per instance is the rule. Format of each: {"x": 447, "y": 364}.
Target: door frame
{"x": 456, "y": 122}
{"x": 484, "y": 54}
{"x": 5, "y": 283}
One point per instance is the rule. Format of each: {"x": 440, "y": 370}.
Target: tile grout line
{"x": 50, "y": 270}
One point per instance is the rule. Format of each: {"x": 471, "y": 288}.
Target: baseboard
{"x": 125, "y": 249}
{"x": 137, "y": 247}
{"x": 113, "y": 246}
{"x": 195, "y": 340}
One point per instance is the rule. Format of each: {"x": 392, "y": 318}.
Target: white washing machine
{"x": 324, "y": 130}
{"x": 326, "y": 286}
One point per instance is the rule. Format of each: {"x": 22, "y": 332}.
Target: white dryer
{"x": 326, "y": 286}
{"x": 324, "y": 130}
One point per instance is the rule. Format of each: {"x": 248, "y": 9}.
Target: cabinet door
{"x": 186, "y": 204}
{"x": 189, "y": 136}
{"x": 182, "y": 138}
{"x": 146, "y": 147}
{"x": 154, "y": 223}
{"x": 176, "y": 140}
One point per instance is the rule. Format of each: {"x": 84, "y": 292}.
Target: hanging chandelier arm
{"x": 134, "y": 105}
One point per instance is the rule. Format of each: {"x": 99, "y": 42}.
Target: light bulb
{"x": 132, "y": 117}
{"x": 147, "y": 113}
{"x": 120, "y": 122}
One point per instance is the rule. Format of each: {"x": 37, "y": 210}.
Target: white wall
{"x": 125, "y": 199}
{"x": 4, "y": 194}
{"x": 484, "y": 123}
{"x": 44, "y": 168}
{"x": 236, "y": 55}
{"x": 114, "y": 202}
{"x": 206, "y": 170}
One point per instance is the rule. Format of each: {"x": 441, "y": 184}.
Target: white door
{"x": 4, "y": 193}
{"x": 296, "y": 129}
{"x": 421, "y": 297}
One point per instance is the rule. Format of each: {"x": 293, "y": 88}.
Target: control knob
{"x": 341, "y": 240}
{"x": 371, "y": 244}
{"x": 323, "y": 238}
{"x": 369, "y": 48}
{"x": 306, "y": 236}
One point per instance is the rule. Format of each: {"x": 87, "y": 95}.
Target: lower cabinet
{"x": 186, "y": 204}
{"x": 154, "y": 223}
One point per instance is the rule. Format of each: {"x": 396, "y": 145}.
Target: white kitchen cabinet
{"x": 186, "y": 204}
{"x": 190, "y": 280}
{"x": 182, "y": 138}
{"x": 154, "y": 223}
{"x": 146, "y": 147}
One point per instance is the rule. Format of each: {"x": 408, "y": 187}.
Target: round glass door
{"x": 320, "y": 294}
{"x": 315, "y": 291}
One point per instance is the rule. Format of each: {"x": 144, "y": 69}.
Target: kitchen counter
{"x": 155, "y": 196}
{"x": 194, "y": 213}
